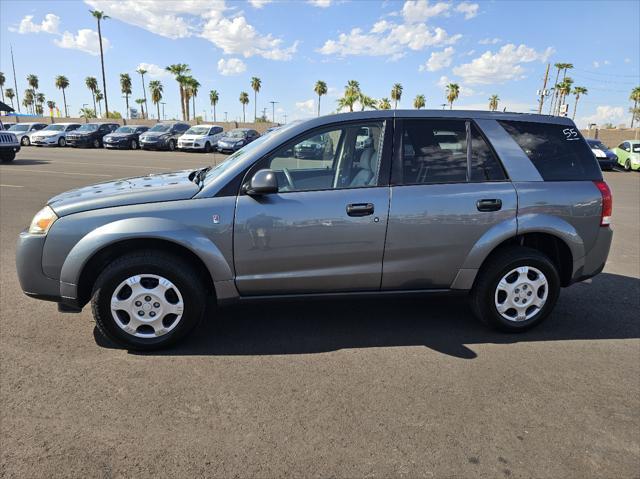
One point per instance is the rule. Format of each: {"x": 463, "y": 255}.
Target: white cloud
{"x": 439, "y": 60}
{"x": 470, "y": 10}
{"x": 470, "y": 53}
{"x": 320, "y": 3}
{"x": 307, "y": 106}
{"x": 489, "y": 41}
{"x": 415, "y": 11}
{"x": 85, "y": 40}
{"x": 388, "y": 39}
{"x": 153, "y": 71}
{"x": 209, "y": 19}
{"x": 604, "y": 114}
{"x": 50, "y": 24}
{"x": 502, "y": 66}
{"x": 259, "y": 3}
{"x": 232, "y": 66}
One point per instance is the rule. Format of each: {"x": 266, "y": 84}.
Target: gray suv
{"x": 507, "y": 207}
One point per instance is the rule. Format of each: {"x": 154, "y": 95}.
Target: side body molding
{"x": 147, "y": 228}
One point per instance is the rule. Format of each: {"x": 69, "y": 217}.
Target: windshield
{"x": 19, "y": 128}
{"x": 125, "y": 129}
{"x": 596, "y": 144}
{"x": 235, "y": 134}
{"x": 88, "y": 127}
{"x": 198, "y": 130}
{"x": 54, "y": 128}
{"x": 160, "y": 128}
{"x": 233, "y": 159}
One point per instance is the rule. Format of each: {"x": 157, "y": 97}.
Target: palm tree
{"x": 564, "y": 88}
{"x": 99, "y": 98}
{"x": 142, "y": 71}
{"x": 493, "y": 102}
{"x": 155, "y": 87}
{"x": 634, "y": 97}
{"x": 559, "y": 67}
{"x": 178, "y": 70}
{"x": 92, "y": 84}
{"x": 396, "y": 94}
{"x": 100, "y": 16}
{"x": 140, "y": 101}
{"x": 192, "y": 87}
{"x": 347, "y": 101}
{"x": 367, "y": 102}
{"x": 125, "y": 88}
{"x": 453, "y": 91}
{"x": 32, "y": 80}
{"x": 10, "y": 95}
{"x": 28, "y": 99}
{"x": 62, "y": 82}
{"x": 321, "y": 89}
{"x": 214, "y": 98}
{"x": 384, "y": 104}
{"x": 419, "y": 102}
{"x": 51, "y": 105}
{"x": 577, "y": 91}
{"x": 40, "y": 100}
{"x": 87, "y": 113}
{"x": 352, "y": 87}
{"x": 244, "y": 99}
{"x": 256, "y": 83}
{"x": 2, "y": 84}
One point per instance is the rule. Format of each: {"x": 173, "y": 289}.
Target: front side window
{"x": 636, "y": 148}
{"x": 332, "y": 158}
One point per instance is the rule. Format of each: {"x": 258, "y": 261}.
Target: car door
{"x": 324, "y": 230}
{"x": 446, "y": 193}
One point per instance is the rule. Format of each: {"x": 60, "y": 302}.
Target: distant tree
{"x": 155, "y": 86}
{"x": 347, "y": 101}
{"x": 634, "y": 97}
{"x": 244, "y": 99}
{"x": 92, "y": 85}
{"x": 99, "y": 98}
{"x": 564, "y": 89}
{"x": 256, "y": 83}
{"x": 453, "y": 91}
{"x": 396, "y": 94}
{"x": 214, "y": 98}
{"x": 87, "y": 113}
{"x": 192, "y": 87}
{"x": 384, "y": 104}
{"x": 352, "y": 87}
{"x": 367, "y": 102}
{"x": 10, "y": 95}
{"x": 51, "y": 105}
{"x": 419, "y": 102}
{"x": 62, "y": 83}
{"x": 28, "y": 100}
{"x": 578, "y": 91}
{"x": 100, "y": 17}
{"x": 320, "y": 89}
{"x": 125, "y": 88}
{"x": 142, "y": 72}
{"x": 140, "y": 101}
{"x": 493, "y": 102}
{"x": 2, "y": 84}
{"x": 179, "y": 70}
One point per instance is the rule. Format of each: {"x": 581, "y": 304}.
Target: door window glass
{"x": 484, "y": 164}
{"x": 339, "y": 157}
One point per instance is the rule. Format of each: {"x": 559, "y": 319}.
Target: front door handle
{"x": 360, "y": 209}
{"x": 489, "y": 205}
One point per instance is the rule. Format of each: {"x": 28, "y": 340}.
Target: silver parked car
{"x": 507, "y": 207}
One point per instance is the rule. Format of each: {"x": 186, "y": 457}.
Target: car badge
{"x": 216, "y": 219}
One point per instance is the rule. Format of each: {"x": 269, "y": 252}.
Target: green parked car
{"x": 628, "y": 153}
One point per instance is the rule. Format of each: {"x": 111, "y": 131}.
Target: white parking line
{"x": 110, "y": 164}
{"x": 12, "y": 186}
{"x": 50, "y": 172}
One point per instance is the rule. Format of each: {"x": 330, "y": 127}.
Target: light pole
{"x": 225, "y": 116}
{"x": 273, "y": 110}
{"x": 164, "y": 117}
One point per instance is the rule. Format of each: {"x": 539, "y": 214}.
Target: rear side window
{"x": 435, "y": 151}
{"x": 558, "y": 152}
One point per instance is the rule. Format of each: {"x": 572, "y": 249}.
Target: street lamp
{"x": 164, "y": 117}
{"x": 273, "y": 110}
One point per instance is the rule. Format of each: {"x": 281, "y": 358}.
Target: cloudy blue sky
{"x": 499, "y": 47}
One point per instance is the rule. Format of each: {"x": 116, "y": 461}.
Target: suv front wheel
{"x": 516, "y": 290}
{"x": 147, "y": 300}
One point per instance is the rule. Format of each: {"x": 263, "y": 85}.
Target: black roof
{"x": 5, "y": 107}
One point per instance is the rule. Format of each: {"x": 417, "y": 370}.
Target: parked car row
{"x": 162, "y": 136}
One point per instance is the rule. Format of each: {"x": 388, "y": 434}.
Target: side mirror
{"x": 263, "y": 182}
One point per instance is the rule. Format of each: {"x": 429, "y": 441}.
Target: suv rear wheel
{"x": 517, "y": 290}
{"x": 147, "y": 300}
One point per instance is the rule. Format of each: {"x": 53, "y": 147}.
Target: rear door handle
{"x": 489, "y": 205}
{"x": 360, "y": 209}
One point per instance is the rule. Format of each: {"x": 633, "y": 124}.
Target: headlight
{"x": 42, "y": 221}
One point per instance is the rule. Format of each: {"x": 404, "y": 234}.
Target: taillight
{"x": 607, "y": 203}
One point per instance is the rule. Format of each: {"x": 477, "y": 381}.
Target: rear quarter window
{"x": 558, "y": 152}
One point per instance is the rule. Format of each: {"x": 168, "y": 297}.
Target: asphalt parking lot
{"x": 378, "y": 388}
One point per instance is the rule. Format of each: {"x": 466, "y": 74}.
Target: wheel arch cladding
{"x": 140, "y": 233}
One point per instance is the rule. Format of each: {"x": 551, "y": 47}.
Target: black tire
{"x": 25, "y": 141}
{"x": 7, "y": 156}
{"x": 172, "y": 145}
{"x": 134, "y": 144}
{"x": 207, "y": 147}
{"x": 96, "y": 143}
{"x": 62, "y": 142}
{"x": 180, "y": 273}
{"x": 627, "y": 165}
{"x": 498, "y": 265}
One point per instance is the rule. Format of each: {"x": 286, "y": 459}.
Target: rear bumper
{"x": 596, "y": 258}
{"x": 33, "y": 281}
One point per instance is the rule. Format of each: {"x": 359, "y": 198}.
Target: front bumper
{"x": 15, "y": 147}
{"x": 124, "y": 144}
{"x": 162, "y": 144}
{"x": 44, "y": 141}
{"x": 191, "y": 145}
{"x": 32, "y": 279}
{"x": 226, "y": 147}
{"x": 79, "y": 142}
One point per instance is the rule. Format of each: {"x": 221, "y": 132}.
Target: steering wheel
{"x": 287, "y": 175}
